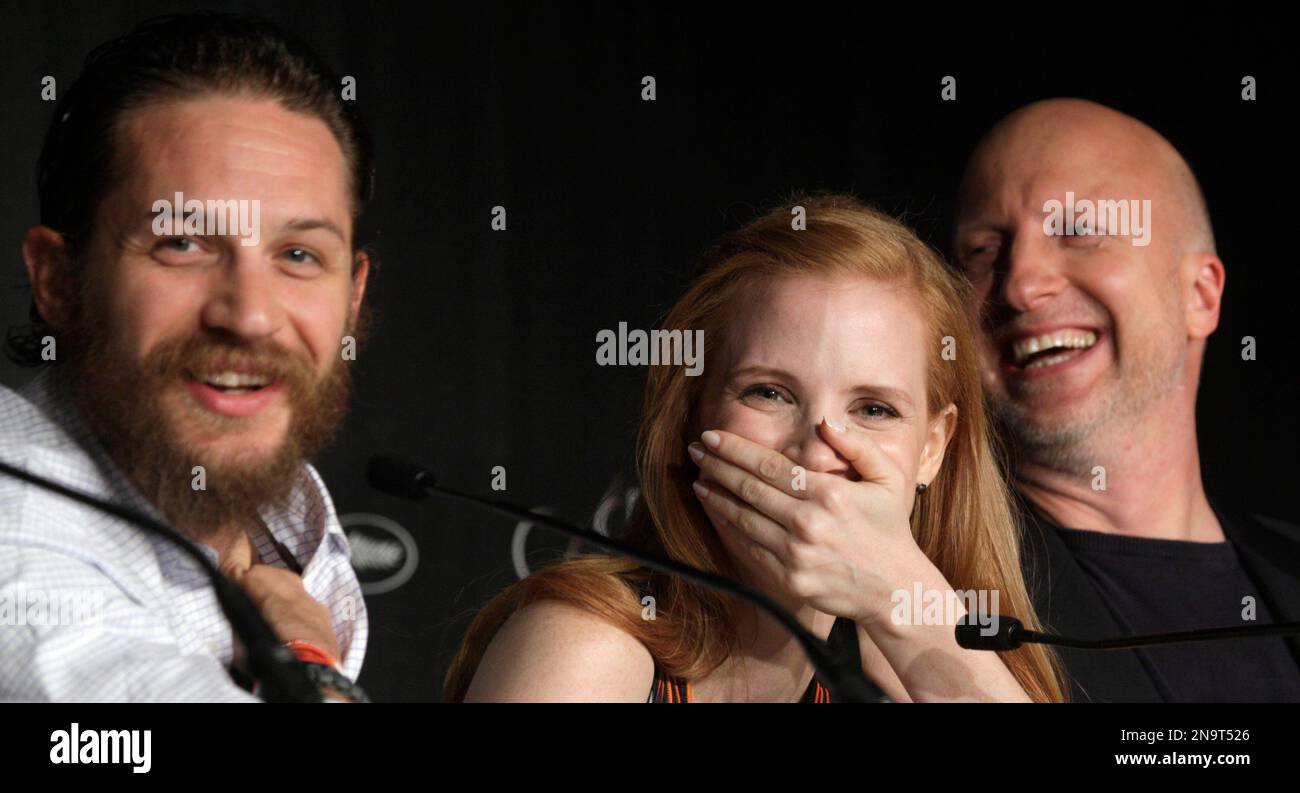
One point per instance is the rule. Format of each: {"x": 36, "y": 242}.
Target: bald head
{"x": 1074, "y": 140}
{"x": 1093, "y": 327}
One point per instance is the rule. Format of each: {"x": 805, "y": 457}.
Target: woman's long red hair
{"x": 964, "y": 523}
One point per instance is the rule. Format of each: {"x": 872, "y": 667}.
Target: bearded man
{"x": 190, "y": 370}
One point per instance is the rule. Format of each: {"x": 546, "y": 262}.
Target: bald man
{"x": 1096, "y": 284}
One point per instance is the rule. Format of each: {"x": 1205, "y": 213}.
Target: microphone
{"x": 271, "y": 663}
{"x": 1011, "y": 633}
{"x": 399, "y": 477}
{"x": 1008, "y": 636}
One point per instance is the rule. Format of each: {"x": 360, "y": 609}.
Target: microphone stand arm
{"x": 272, "y": 664}
{"x": 847, "y": 684}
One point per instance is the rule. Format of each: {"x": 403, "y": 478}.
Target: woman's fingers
{"x": 767, "y": 465}
{"x": 750, "y": 522}
{"x": 765, "y": 558}
{"x": 862, "y": 452}
{"x": 755, "y": 489}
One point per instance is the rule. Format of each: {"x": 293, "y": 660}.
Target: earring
{"x": 920, "y": 489}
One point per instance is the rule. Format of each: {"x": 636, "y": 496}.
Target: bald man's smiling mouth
{"x": 1047, "y": 350}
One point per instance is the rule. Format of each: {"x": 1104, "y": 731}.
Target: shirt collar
{"x": 307, "y": 518}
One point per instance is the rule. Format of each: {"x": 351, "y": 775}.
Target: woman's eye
{"x": 765, "y": 393}
{"x": 876, "y": 410}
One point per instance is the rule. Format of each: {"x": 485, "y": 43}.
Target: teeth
{"x": 1064, "y": 339}
{"x": 235, "y": 380}
{"x": 1049, "y": 361}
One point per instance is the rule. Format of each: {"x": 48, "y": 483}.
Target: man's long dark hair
{"x": 167, "y": 58}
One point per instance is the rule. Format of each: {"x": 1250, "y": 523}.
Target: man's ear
{"x": 360, "y": 275}
{"x": 937, "y": 436}
{"x": 48, "y": 260}
{"x": 1204, "y": 274}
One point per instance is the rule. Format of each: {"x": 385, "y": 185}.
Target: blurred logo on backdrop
{"x": 619, "y": 500}
{"x": 384, "y": 554}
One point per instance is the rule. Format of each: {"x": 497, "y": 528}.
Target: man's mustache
{"x": 197, "y": 356}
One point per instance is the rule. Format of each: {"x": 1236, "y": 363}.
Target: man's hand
{"x": 281, "y": 598}
{"x": 284, "y": 602}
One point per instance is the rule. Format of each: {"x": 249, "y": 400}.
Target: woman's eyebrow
{"x": 764, "y": 371}
{"x": 889, "y": 393}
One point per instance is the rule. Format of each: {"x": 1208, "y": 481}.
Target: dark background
{"x": 485, "y": 350}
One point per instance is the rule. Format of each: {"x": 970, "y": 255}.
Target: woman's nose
{"x": 808, "y": 449}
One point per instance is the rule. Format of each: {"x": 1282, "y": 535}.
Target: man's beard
{"x": 1078, "y": 443}
{"x": 122, "y": 402}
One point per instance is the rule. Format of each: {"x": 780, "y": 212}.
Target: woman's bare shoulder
{"x": 553, "y": 651}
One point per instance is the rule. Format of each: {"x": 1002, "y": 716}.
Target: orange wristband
{"x": 309, "y": 653}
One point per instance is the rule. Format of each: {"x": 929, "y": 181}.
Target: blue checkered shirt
{"x": 94, "y": 609}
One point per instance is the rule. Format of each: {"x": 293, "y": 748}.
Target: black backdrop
{"x": 485, "y": 350}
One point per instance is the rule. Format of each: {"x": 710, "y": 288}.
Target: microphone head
{"x": 973, "y": 632}
{"x": 399, "y": 477}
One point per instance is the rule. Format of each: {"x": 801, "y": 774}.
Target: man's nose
{"x": 1032, "y": 270}
{"x": 242, "y": 299}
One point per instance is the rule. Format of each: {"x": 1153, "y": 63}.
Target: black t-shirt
{"x": 1159, "y": 586}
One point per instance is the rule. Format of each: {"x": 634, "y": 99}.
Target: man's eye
{"x": 1091, "y": 240}
{"x": 300, "y": 256}
{"x": 179, "y": 244}
{"x": 978, "y": 257}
